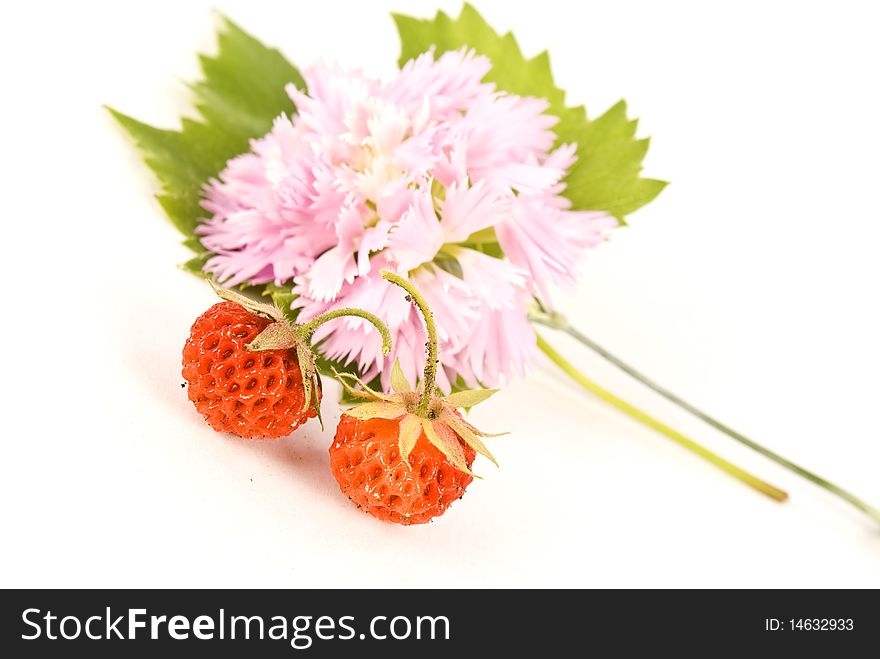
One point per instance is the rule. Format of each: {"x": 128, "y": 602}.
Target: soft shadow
{"x": 304, "y": 454}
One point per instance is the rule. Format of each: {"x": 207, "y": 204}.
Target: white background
{"x": 749, "y": 287}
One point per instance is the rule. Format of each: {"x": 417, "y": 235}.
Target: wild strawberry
{"x": 405, "y": 457}
{"x": 251, "y": 371}
{"x": 365, "y": 458}
{"x": 248, "y": 394}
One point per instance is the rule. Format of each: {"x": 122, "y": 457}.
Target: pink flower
{"x": 435, "y": 175}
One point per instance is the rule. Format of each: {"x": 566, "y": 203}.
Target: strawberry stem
{"x": 558, "y": 322}
{"x": 430, "y": 346}
{"x": 635, "y": 413}
{"x": 306, "y": 330}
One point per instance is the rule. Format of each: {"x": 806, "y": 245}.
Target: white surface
{"x": 749, "y": 287}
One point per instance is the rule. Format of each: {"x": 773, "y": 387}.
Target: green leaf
{"x": 276, "y": 336}
{"x": 606, "y": 175}
{"x": 399, "y": 383}
{"x": 468, "y": 436}
{"x": 449, "y": 263}
{"x": 243, "y": 89}
{"x": 348, "y": 375}
{"x": 241, "y": 94}
{"x": 249, "y": 303}
{"x": 196, "y": 264}
{"x": 310, "y": 380}
{"x": 367, "y": 391}
{"x": 469, "y": 397}
{"x": 282, "y": 296}
{"x": 376, "y": 410}
{"x": 484, "y": 236}
{"x": 410, "y": 431}
{"x": 459, "y": 384}
{"x": 182, "y": 162}
{"x": 479, "y": 433}
{"x": 444, "y": 439}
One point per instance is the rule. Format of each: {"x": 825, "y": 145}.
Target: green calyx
{"x": 421, "y": 409}
{"x": 442, "y": 425}
{"x": 282, "y": 334}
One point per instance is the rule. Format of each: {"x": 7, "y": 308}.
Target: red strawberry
{"x": 251, "y": 371}
{"x": 255, "y": 395}
{"x": 405, "y": 456}
{"x": 365, "y": 459}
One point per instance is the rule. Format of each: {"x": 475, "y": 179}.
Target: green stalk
{"x": 558, "y": 322}
{"x": 306, "y": 330}
{"x": 680, "y": 439}
{"x": 431, "y": 346}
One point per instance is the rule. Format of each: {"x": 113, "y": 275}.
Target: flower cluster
{"x": 435, "y": 175}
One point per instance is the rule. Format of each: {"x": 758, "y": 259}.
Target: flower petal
{"x": 418, "y": 236}
{"x": 471, "y": 208}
